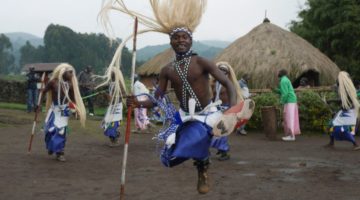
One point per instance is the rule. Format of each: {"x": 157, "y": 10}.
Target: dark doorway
{"x": 312, "y": 77}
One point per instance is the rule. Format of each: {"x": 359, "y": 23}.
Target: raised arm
{"x": 160, "y": 91}
{"x": 219, "y": 76}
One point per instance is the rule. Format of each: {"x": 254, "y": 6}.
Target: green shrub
{"x": 14, "y": 106}
{"x": 261, "y": 100}
{"x": 314, "y": 113}
{"x": 20, "y": 78}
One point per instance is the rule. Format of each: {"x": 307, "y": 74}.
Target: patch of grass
{"x": 3, "y": 125}
{"x": 19, "y": 106}
{"x": 100, "y": 111}
{"x": 127, "y": 84}
{"x": 17, "y": 77}
{"x": 13, "y": 106}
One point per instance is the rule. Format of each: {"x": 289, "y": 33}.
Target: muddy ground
{"x": 258, "y": 168}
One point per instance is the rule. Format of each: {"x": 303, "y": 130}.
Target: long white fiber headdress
{"x": 167, "y": 16}
{"x": 233, "y": 79}
{"x": 347, "y": 92}
{"x": 78, "y": 102}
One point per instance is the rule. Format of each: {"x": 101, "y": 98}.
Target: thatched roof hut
{"x": 261, "y": 53}
{"x": 151, "y": 69}
{"x": 268, "y": 48}
{"x": 41, "y": 67}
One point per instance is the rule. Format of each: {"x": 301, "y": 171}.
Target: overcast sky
{"x": 223, "y": 20}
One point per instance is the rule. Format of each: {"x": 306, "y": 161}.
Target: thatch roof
{"x": 261, "y": 53}
{"x": 41, "y": 67}
{"x": 268, "y": 48}
{"x": 154, "y": 65}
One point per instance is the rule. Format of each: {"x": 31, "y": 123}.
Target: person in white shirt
{"x": 141, "y": 118}
{"x": 243, "y": 82}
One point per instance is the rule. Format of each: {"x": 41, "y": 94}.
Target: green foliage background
{"x": 333, "y": 26}
{"x": 314, "y": 113}
{"x": 6, "y": 59}
{"x": 61, "y": 44}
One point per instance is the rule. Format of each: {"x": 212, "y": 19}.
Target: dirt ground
{"x": 258, "y": 168}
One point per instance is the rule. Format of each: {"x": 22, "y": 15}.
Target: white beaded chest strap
{"x": 186, "y": 85}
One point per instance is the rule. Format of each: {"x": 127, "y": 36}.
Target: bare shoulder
{"x": 205, "y": 63}
{"x": 50, "y": 85}
{"x": 201, "y": 59}
{"x": 166, "y": 69}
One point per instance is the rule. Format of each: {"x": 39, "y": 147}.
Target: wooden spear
{"x": 128, "y": 119}
{"x": 37, "y": 112}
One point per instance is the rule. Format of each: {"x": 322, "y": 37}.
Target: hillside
{"x": 18, "y": 39}
{"x": 207, "y": 49}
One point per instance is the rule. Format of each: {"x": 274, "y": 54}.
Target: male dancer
{"x": 189, "y": 76}
{"x": 113, "y": 116}
{"x": 62, "y": 97}
{"x": 343, "y": 125}
{"x": 221, "y": 144}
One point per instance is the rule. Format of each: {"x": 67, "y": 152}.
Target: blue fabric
{"x": 32, "y": 95}
{"x": 192, "y": 142}
{"x": 55, "y": 142}
{"x": 156, "y": 115}
{"x": 220, "y": 143}
{"x": 32, "y": 79}
{"x": 242, "y": 83}
{"x": 111, "y": 130}
{"x": 344, "y": 134}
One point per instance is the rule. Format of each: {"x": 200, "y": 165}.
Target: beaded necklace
{"x": 65, "y": 87}
{"x": 186, "y": 88}
{"x": 184, "y": 55}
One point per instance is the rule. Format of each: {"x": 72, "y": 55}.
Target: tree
{"x": 61, "y": 45}
{"x": 333, "y": 26}
{"x": 6, "y": 59}
{"x": 64, "y": 45}
{"x": 31, "y": 54}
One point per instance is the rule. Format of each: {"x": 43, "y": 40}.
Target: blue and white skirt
{"x": 111, "y": 130}
{"x": 193, "y": 140}
{"x": 112, "y": 120}
{"x": 343, "y": 125}
{"x": 220, "y": 143}
{"x": 56, "y": 128}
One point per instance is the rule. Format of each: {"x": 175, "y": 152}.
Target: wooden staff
{"x": 128, "y": 119}
{"x": 37, "y": 112}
